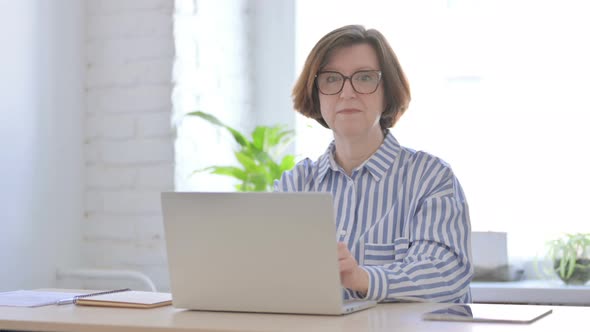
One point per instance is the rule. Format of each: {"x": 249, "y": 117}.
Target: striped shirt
{"x": 404, "y": 218}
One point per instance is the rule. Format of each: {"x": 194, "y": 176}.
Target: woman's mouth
{"x": 348, "y": 111}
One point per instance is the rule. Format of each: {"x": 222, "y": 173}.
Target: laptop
{"x": 254, "y": 252}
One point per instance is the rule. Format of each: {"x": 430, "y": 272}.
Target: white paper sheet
{"x": 29, "y": 298}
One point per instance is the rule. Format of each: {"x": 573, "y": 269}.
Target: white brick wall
{"x": 140, "y": 97}
{"x": 131, "y": 47}
{"x": 129, "y": 142}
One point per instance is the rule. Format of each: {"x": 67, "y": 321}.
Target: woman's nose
{"x": 347, "y": 89}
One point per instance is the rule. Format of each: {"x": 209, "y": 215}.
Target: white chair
{"x": 99, "y": 279}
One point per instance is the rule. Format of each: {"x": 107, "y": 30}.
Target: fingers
{"x": 343, "y": 251}
{"x": 345, "y": 259}
{"x": 351, "y": 275}
{"x": 347, "y": 265}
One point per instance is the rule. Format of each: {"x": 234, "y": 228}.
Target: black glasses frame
{"x": 344, "y": 78}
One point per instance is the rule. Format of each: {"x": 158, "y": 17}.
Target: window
{"x": 499, "y": 90}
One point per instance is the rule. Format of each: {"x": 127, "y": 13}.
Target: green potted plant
{"x": 569, "y": 257}
{"x": 258, "y": 155}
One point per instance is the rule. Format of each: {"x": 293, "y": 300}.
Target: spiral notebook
{"x": 125, "y": 298}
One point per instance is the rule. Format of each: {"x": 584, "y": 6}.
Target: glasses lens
{"x": 330, "y": 83}
{"x": 366, "y": 81}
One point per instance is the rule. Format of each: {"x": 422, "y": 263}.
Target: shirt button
{"x": 342, "y": 233}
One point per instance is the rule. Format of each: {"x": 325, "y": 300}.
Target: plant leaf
{"x": 258, "y": 166}
{"x": 566, "y": 252}
{"x": 238, "y": 137}
{"x": 246, "y": 160}
{"x": 562, "y": 268}
{"x": 285, "y": 136}
{"x": 259, "y": 137}
{"x": 232, "y": 171}
{"x": 258, "y": 180}
{"x": 287, "y": 163}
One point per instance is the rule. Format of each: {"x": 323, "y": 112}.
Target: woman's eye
{"x": 332, "y": 78}
{"x": 365, "y": 78}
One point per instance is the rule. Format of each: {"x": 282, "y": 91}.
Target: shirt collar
{"x": 382, "y": 160}
{"x": 377, "y": 165}
{"x": 326, "y": 162}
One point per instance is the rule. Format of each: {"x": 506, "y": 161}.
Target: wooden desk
{"x": 384, "y": 317}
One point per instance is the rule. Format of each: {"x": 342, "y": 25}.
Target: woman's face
{"x": 349, "y": 113}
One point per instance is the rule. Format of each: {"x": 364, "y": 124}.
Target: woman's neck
{"x": 351, "y": 152}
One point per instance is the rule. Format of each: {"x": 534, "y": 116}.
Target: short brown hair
{"x": 395, "y": 85}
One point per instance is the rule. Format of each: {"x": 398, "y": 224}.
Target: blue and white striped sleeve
{"x": 436, "y": 266}
{"x": 296, "y": 179}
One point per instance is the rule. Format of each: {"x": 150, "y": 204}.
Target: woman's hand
{"x": 351, "y": 275}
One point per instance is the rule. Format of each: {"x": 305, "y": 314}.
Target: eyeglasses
{"x": 363, "y": 82}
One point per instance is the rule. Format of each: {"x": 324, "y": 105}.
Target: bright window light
{"x": 499, "y": 91}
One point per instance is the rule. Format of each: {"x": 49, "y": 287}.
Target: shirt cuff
{"x": 377, "y": 290}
